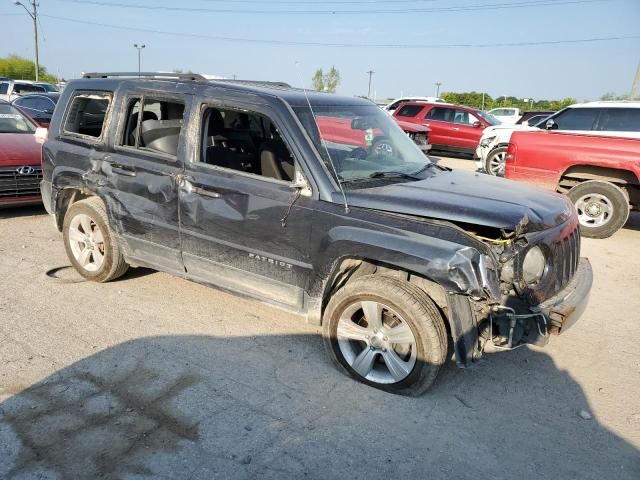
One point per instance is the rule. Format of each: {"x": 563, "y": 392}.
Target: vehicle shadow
{"x": 633, "y": 223}
{"x": 27, "y": 211}
{"x": 272, "y": 407}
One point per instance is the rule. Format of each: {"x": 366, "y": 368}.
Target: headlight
{"x": 420, "y": 138}
{"x": 533, "y": 266}
{"x": 485, "y": 142}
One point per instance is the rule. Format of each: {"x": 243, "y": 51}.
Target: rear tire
{"x": 603, "y": 208}
{"x": 89, "y": 242}
{"x": 386, "y": 333}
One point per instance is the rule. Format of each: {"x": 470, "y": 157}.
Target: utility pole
{"x": 438, "y": 85}
{"x": 33, "y": 13}
{"x": 370, "y": 72}
{"x": 633, "y": 94}
{"x": 139, "y": 47}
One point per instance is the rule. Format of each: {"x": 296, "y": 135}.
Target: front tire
{"x": 89, "y": 242}
{"x": 603, "y": 208}
{"x": 386, "y": 333}
{"x": 495, "y": 162}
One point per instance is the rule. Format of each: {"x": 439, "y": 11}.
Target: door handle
{"x": 120, "y": 169}
{"x": 456, "y": 128}
{"x": 189, "y": 187}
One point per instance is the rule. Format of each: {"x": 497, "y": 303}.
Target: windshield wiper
{"x": 393, "y": 175}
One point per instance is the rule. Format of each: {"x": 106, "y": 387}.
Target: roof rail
{"x": 255, "y": 83}
{"x": 194, "y": 77}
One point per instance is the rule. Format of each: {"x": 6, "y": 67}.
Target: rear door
{"x": 243, "y": 226}
{"x": 142, "y": 171}
{"x": 444, "y": 133}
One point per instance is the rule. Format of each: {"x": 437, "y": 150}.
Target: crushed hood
{"x": 472, "y": 198}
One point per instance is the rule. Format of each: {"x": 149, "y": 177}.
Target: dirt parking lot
{"x": 153, "y": 376}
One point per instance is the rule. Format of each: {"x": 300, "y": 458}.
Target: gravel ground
{"x": 153, "y": 376}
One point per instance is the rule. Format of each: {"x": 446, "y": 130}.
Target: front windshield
{"x": 361, "y": 141}
{"x": 490, "y": 119}
{"x": 13, "y": 121}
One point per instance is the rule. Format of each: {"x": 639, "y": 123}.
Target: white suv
{"x": 398, "y": 101}
{"x": 620, "y": 119}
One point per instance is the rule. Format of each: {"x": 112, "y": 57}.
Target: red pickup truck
{"x": 600, "y": 174}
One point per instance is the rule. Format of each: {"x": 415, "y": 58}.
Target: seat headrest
{"x": 216, "y": 122}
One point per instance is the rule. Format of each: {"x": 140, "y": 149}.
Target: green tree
{"x": 17, "y": 67}
{"x": 326, "y": 82}
{"x": 474, "y": 100}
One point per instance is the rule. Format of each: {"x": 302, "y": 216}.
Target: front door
{"x": 244, "y": 227}
{"x": 143, "y": 168}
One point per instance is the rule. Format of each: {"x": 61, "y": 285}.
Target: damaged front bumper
{"x": 511, "y": 328}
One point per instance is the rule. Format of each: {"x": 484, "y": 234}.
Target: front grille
{"x": 19, "y": 185}
{"x": 566, "y": 255}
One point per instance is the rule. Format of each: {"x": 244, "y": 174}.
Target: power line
{"x": 346, "y": 45}
{"x": 459, "y": 8}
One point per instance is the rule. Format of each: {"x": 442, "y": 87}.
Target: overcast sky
{"x": 581, "y": 70}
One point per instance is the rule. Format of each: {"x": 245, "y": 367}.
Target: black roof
{"x": 293, "y": 96}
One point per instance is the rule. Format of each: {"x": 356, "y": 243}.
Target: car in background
{"x": 20, "y": 158}
{"x": 509, "y": 115}
{"x": 9, "y": 89}
{"x": 534, "y": 117}
{"x": 38, "y": 106}
{"x": 620, "y": 119}
{"x": 600, "y": 174}
{"x": 48, "y": 87}
{"x": 454, "y": 128}
{"x": 358, "y": 133}
{"x": 390, "y": 108}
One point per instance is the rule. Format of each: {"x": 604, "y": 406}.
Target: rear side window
{"x": 4, "y": 88}
{"x": 620, "y": 120}
{"x": 86, "y": 114}
{"x": 410, "y": 110}
{"x": 577, "y": 119}
{"x": 441, "y": 114}
{"x": 26, "y": 87}
{"x": 155, "y": 127}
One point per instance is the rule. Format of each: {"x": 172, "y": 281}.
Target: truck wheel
{"x": 603, "y": 208}
{"x": 386, "y": 333}
{"x": 495, "y": 162}
{"x": 89, "y": 242}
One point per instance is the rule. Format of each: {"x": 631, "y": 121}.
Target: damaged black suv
{"x": 315, "y": 203}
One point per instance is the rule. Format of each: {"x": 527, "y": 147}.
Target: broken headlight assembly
{"x": 534, "y": 266}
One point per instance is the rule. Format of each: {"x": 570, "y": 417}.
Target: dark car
{"x": 39, "y": 106}
{"x": 20, "y": 158}
{"x": 235, "y": 185}
{"x": 454, "y": 128}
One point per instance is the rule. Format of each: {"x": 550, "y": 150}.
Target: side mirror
{"x": 476, "y": 124}
{"x": 550, "y": 125}
{"x": 360, "y": 123}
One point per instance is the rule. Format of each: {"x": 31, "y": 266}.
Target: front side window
{"x": 576, "y": 119}
{"x": 620, "y": 120}
{"x": 361, "y": 141}
{"x": 13, "y": 120}
{"x": 86, "y": 115}
{"x": 463, "y": 117}
{"x": 410, "y": 110}
{"x": 153, "y": 125}
{"x": 245, "y": 141}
